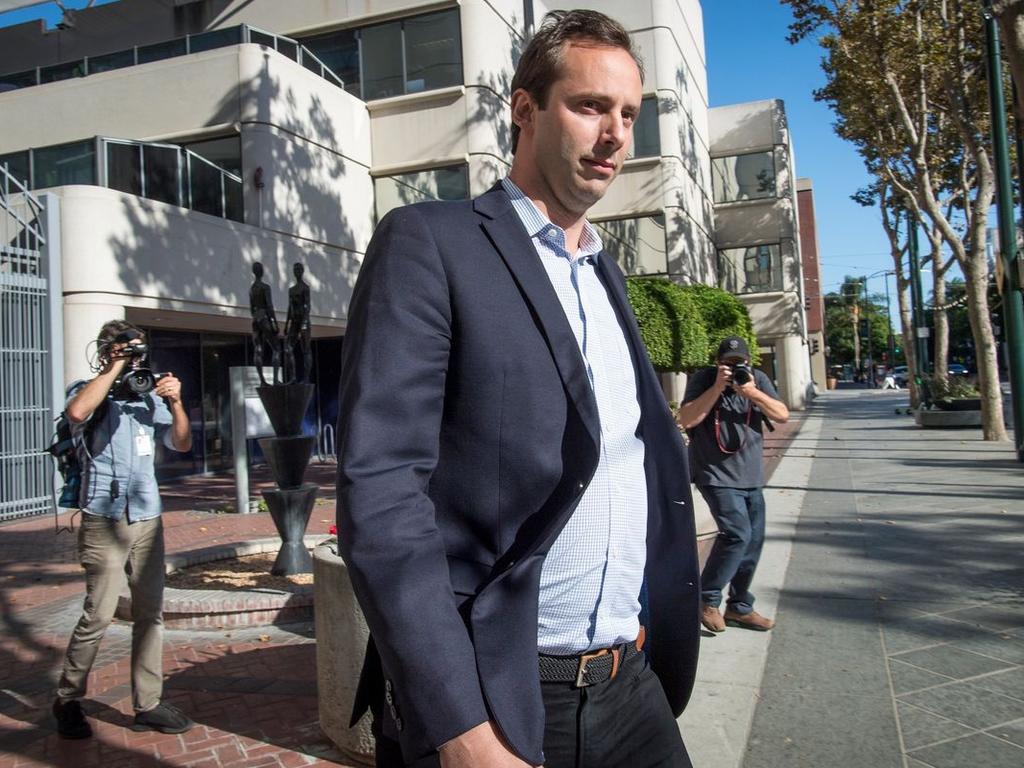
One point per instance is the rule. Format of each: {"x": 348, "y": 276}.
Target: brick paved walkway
{"x": 252, "y": 691}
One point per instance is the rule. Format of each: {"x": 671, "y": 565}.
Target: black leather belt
{"x": 589, "y": 668}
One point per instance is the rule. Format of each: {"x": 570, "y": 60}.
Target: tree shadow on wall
{"x": 168, "y": 252}
{"x": 493, "y": 107}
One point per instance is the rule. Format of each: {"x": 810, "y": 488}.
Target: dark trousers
{"x": 620, "y": 723}
{"x": 739, "y": 513}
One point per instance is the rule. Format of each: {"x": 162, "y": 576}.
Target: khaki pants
{"x": 111, "y": 551}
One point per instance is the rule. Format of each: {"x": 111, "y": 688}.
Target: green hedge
{"x": 670, "y": 324}
{"x": 724, "y": 315}
{"x": 682, "y": 325}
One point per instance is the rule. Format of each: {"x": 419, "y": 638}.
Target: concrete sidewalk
{"x": 894, "y": 568}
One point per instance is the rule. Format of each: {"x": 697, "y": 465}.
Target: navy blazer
{"x": 467, "y": 433}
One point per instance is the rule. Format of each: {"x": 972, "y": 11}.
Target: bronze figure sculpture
{"x": 297, "y": 328}
{"x": 264, "y": 323}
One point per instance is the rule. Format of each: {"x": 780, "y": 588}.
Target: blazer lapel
{"x": 510, "y": 239}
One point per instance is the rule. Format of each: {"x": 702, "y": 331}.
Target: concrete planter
{"x": 959, "y": 404}
{"x": 341, "y": 636}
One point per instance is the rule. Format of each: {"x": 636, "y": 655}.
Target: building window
{"x": 743, "y": 177}
{"x": 646, "y": 136}
{"x": 64, "y": 164}
{"x": 224, "y": 152}
{"x": 636, "y": 244}
{"x": 339, "y": 51}
{"x": 160, "y": 51}
{"x": 147, "y": 170}
{"x": 448, "y": 183}
{"x": 64, "y": 71}
{"x": 18, "y": 166}
{"x": 16, "y": 80}
{"x": 754, "y": 269}
{"x": 421, "y": 53}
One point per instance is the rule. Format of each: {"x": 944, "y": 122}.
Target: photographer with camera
{"x": 116, "y": 418}
{"x": 723, "y": 412}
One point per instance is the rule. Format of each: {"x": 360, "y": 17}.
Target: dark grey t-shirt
{"x": 709, "y": 463}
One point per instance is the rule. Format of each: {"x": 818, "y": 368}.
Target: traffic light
{"x": 863, "y": 328}
{"x": 815, "y": 346}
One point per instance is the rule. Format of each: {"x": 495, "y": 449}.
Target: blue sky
{"x": 748, "y": 58}
{"x": 49, "y": 11}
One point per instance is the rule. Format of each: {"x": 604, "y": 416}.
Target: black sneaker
{"x": 164, "y": 717}
{"x": 71, "y": 722}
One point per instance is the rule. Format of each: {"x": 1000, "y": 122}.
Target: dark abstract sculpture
{"x": 288, "y": 455}
{"x": 264, "y": 323}
{"x": 297, "y": 329}
{"x": 289, "y": 450}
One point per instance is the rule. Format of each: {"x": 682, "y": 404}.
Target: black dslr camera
{"x": 137, "y": 379}
{"x": 741, "y": 374}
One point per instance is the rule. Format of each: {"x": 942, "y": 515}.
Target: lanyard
{"x": 718, "y": 430}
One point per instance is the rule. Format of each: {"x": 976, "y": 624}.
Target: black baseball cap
{"x": 733, "y": 346}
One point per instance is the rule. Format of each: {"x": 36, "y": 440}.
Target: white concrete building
{"x": 757, "y": 235}
{"x": 187, "y": 140}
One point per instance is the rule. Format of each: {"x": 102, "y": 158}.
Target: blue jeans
{"x": 739, "y": 513}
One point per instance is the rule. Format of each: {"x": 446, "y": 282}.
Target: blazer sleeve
{"x": 394, "y": 359}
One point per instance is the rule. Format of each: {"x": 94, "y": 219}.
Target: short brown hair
{"x": 541, "y": 62}
{"x": 114, "y": 328}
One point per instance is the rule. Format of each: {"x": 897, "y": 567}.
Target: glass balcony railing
{"x": 179, "y": 46}
{"x": 164, "y": 172}
{"x": 170, "y": 174}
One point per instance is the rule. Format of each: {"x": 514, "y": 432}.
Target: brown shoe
{"x": 712, "y": 619}
{"x": 752, "y": 620}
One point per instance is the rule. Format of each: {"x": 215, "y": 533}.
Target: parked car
{"x": 956, "y": 369}
{"x": 899, "y": 373}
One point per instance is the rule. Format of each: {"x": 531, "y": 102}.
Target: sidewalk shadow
{"x": 264, "y": 694}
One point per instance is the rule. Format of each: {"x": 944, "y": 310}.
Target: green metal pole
{"x": 1013, "y": 302}
{"x": 916, "y": 297}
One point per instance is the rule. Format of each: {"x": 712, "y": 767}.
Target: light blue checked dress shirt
{"x": 591, "y": 579}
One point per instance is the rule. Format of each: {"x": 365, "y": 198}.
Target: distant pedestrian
{"x": 890, "y": 380}
{"x": 723, "y": 411}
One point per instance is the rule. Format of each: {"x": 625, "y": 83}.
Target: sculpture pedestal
{"x": 290, "y": 508}
{"x": 288, "y": 458}
{"x": 341, "y": 636}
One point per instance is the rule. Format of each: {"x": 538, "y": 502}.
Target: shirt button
{"x": 398, "y": 723}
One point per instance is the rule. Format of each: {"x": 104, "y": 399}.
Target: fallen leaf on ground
{"x": 263, "y": 638}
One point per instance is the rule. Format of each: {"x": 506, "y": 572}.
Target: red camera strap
{"x": 718, "y": 430}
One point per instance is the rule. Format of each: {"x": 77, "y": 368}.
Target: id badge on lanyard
{"x": 143, "y": 443}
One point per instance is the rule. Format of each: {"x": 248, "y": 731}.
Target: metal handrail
{"x": 33, "y": 202}
{"x": 244, "y": 36}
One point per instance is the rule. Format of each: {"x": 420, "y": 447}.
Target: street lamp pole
{"x": 891, "y": 340}
{"x": 888, "y": 319}
{"x": 1013, "y": 279}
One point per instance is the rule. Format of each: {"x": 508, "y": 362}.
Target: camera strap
{"x": 718, "y": 429}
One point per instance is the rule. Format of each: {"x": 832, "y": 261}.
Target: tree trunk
{"x": 907, "y": 332}
{"x": 976, "y": 285}
{"x": 1010, "y": 15}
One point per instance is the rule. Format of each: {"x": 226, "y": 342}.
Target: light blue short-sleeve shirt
{"x": 119, "y": 476}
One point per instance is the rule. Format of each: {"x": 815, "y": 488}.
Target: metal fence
{"x": 26, "y": 352}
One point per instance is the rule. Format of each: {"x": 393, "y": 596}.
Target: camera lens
{"x": 134, "y": 383}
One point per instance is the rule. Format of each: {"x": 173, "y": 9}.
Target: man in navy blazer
{"x": 513, "y": 496}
